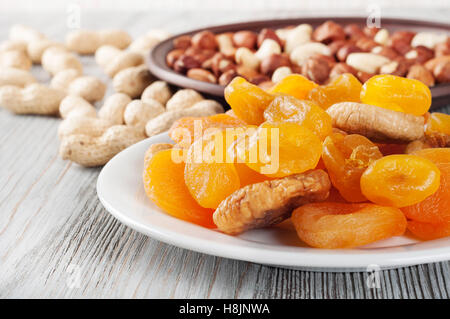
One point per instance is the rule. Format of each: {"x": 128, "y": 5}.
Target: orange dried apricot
{"x": 280, "y": 149}
{"x": 248, "y": 101}
{"x": 164, "y": 185}
{"x": 209, "y": 175}
{"x": 346, "y": 157}
{"x": 183, "y": 131}
{"x": 390, "y": 149}
{"x": 341, "y": 225}
{"x": 344, "y": 88}
{"x": 400, "y": 180}
{"x": 429, "y": 231}
{"x": 288, "y": 108}
{"x": 397, "y": 93}
{"x": 435, "y": 208}
{"x": 295, "y": 85}
{"x": 438, "y": 122}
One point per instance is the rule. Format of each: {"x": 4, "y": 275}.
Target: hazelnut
{"x": 385, "y": 51}
{"x": 185, "y": 62}
{"x": 442, "y": 72}
{"x": 370, "y": 31}
{"x": 344, "y": 51}
{"x": 220, "y": 64}
{"x": 204, "y": 40}
{"x": 366, "y": 44}
{"x": 442, "y": 48}
{"x": 273, "y": 62}
{"x": 328, "y": 31}
{"x": 201, "y": 75}
{"x": 400, "y": 41}
{"x": 268, "y": 34}
{"x": 245, "y": 39}
{"x": 419, "y": 72}
{"x": 182, "y": 42}
{"x": 420, "y": 54}
{"x": 341, "y": 68}
{"x": 336, "y": 45}
{"x": 172, "y": 56}
{"x": 227, "y": 76}
{"x": 316, "y": 69}
{"x": 353, "y": 31}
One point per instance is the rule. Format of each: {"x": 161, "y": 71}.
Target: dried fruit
{"x": 306, "y": 113}
{"x": 270, "y": 202}
{"x": 339, "y": 225}
{"x": 397, "y": 93}
{"x": 280, "y": 149}
{"x": 400, "y": 180}
{"x": 344, "y": 88}
{"x": 247, "y": 100}
{"x": 295, "y": 85}
{"x": 209, "y": 175}
{"x": 435, "y": 208}
{"x": 346, "y": 157}
{"x": 183, "y": 131}
{"x": 164, "y": 185}
{"x": 438, "y": 122}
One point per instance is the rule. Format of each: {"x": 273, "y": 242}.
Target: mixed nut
{"x": 319, "y": 54}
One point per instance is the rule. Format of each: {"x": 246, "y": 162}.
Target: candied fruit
{"x": 400, "y": 180}
{"x": 344, "y": 88}
{"x": 288, "y": 108}
{"x": 340, "y": 225}
{"x": 346, "y": 157}
{"x": 164, "y": 185}
{"x": 397, "y": 93}
{"x": 248, "y": 101}
{"x": 295, "y": 85}
{"x": 280, "y": 149}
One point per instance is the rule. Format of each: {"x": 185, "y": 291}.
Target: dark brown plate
{"x": 157, "y": 59}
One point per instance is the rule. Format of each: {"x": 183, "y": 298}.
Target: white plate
{"x": 121, "y": 191}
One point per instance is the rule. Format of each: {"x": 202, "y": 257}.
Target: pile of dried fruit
{"x": 319, "y": 54}
{"x": 349, "y": 163}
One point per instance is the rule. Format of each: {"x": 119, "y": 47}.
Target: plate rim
{"x": 316, "y": 259}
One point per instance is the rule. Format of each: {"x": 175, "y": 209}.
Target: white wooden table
{"x": 56, "y": 239}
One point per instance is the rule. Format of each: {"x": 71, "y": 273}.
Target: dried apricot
{"x": 288, "y": 108}
{"x": 340, "y": 225}
{"x": 438, "y": 122}
{"x": 164, "y": 185}
{"x": 248, "y": 101}
{"x": 346, "y": 157}
{"x": 435, "y": 208}
{"x": 280, "y": 149}
{"x": 185, "y": 130}
{"x": 209, "y": 175}
{"x": 400, "y": 180}
{"x": 344, "y": 88}
{"x": 390, "y": 149}
{"x": 295, "y": 85}
{"x": 397, "y": 93}
{"x": 429, "y": 231}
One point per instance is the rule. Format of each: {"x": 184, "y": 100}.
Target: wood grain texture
{"x": 53, "y": 229}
